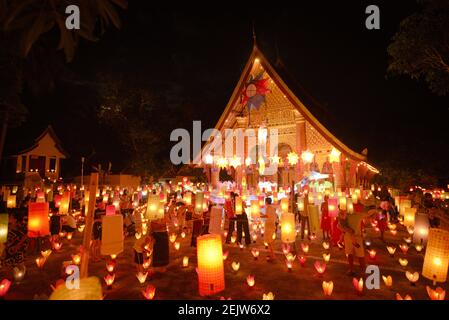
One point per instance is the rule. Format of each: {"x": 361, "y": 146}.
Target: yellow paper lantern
{"x": 300, "y": 204}
{"x": 238, "y": 206}
{"x": 342, "y": 202}
{"x": 210, "y": 264}
{"x": 3, "y": 227}
{"x": 436, "y": 260}
{"x": 255, "y": 209}
{"x": 288, "y": 230}
{"x": 284, "y": 205}
{"x": 11, "y": 202}
{"x": 65, "y": 203}
{"x": 199, "y": 198}
{"x": 89, "y": 289}
{"x": 349, "y": 206}
{"x": 153, "y": 211}
{"x": 403, "y": 204}
{"x": 112, "y": 235}
{"x": 409, "y": 217}
{"x": 188, "y": 198}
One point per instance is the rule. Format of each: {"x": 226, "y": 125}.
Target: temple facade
{"x": 262, "y": 101}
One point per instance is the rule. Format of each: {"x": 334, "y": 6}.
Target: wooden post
{"x": 93, "y": 185}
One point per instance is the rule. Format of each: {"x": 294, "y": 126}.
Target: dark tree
{"x": 420, "y": 48}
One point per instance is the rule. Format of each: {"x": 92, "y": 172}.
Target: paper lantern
{"x": 354, "y": 198}
{"x": 238, "y": 206}
{"x": 284, "y": 205}
{"x": 185, "y": 261}
{"x": 409, "y": 217}
{"x": 404, "y": 248}
{"x": 333, "y": 207}
{"x": 199, "y": 198}
{"x": 421, "y": 230}
{"x": 437, "y": 294}
{"x": 149, "y": 292}
{"x": 314, "y": 219}
{"x": 210, "y": 264}
{"x": 57, "y": 200}
{"x": 40, "y": 197}
{"x": 110, "y": 210}
{"x": 372, "y": 253}
{"x": 255, "y": 209}
{"x": 391, "y": 250}
{"x": 413, "y": 277}
{"x": 399, "y": 297}
{"x": 65, "y": 203}
{"x": 302, "y": 260}
{"x": 142, "y": 277}
{"x": 38, "y": 223}
{"x": 320, "y": 267}
{"x": 188, "y": 198}
{"x": 288, "y": 231}
{"x": 305, "y": 247}
{"x": 342, "y": 202}
{"x": 326, "y": 257}
{"x": 388, "y": 280}
{"x": 5, "y": 284}
{"x": 268, "y": 296}
{"x": 255, "y": 252}
{"x": 155, "y": 210}
{"x": 358, "y": 285}
{"x": 3, "y": 227}
{"x": 403, "y": 204}
{"x": 112, "y": 235}
{"x": 300, "y": 204}
{"x": 436, "y": 259}
{"x": 328, "y": 287}
{"x": 11, "y": 202}
{"x": 349, "y": 206}
{"x": 109, "y": 279}
{"x": 250, "y": 280}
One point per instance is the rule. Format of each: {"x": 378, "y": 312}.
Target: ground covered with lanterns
{"x": 303, "y": 281}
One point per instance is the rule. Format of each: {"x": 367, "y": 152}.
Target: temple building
{"x": 262, "y": 101}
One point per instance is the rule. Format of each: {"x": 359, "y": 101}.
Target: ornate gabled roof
{"x": 49, "y": 130}
{"x": 300, "y": 99}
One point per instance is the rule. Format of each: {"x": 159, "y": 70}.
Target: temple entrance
{"x": 286, "y": 173}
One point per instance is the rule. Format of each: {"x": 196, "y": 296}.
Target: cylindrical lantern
{"x": 110, "y": 210}
{"x": 255, "y": 209}
{"x": 57, "y": 200}
{"x": 210, "y": 264}
{"x": 314, "y": 218}
{"x": 154, "y": 208}
{"x": 11, "y": 202}
{"x": 349, "y": 205}
{"x": 38, "y": 223}
{"x": 199, "y": 198}
{"x": 238, "y": 206}
{"x": 284, "y": 205}
{"x": 421, "y": 228}
{"x": 288, "y": 229}
{"x": 342, "y": 202}
{"x": 403, "y": 204}
{"x": 65, "y": 203}
{"x": 354, "y": 198}
{"x": 409, "y": 217}
{"x": 333, "y": 207}
{"x": 111, "y": 234}
{"x": 188, "y": 198}
{"x": 216, "y": 214}
{"x": 436, "y": 260}
{"x": 3, "y": 227}
{"x": 89, "y": 289}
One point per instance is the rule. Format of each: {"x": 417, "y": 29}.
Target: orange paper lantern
{"x": 38, "y": 224}
{"x": 210, "y": 264}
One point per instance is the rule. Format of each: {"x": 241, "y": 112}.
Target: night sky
{"x": 194, "y": 57}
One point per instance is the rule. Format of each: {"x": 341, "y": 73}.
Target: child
{"x": 325, "y": 219}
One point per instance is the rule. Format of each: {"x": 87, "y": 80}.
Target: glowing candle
{"x": 302, "y": 260}
{"x": 413, "y": 277}
{"x": 110, "y": 266}
{"x": 40, "y": 261}
{"x": 403, "y": 262}
{"x": 305, "y": 247}
{"x": 142, "y": 277}
{"x": 320, "y": 267}
{"x": 235, "y": 266}
{"x": 250, "y": 280}
{"x": 5, "y": 284}
{"x": 109, "y": 279}
{"x": 255, "y": 253}
{"x": 326, "y": 245}
{"x": 404, "y": 248}
{"x": 358, "y": 285}
{"x": 328, "y": 287}
{"x": 391, "y": 250}
{"x": 225, "y": 255}
{"x": 388, "y": 280}
{"x": 326, "y": 257}
{"x": 437, "y": 294}
{"x": 185, "y": 261}
{"x": 149, "y": 292}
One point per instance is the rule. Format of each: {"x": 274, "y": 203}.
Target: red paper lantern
{"x": 110, "y": 210}
{"x": 38, "y": 224}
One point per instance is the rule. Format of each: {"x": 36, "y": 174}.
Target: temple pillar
{"x": 301, "y": 144}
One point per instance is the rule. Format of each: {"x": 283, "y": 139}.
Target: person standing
{"x": 243, "y": 226}
{"x": 325, "y": 219}
{"x": 229, "y": 208}
{"x": 304, "y": 217}
{"x": 271, "y": 218}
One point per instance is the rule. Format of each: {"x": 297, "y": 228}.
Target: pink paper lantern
{"x": 110, "y": 210}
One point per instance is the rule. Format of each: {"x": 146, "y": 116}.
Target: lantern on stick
{"x": 210, "y": 264}
{"x": 112, "y": 235}
{"x": 436, "y": 259}
{"x": 284, "y": 205}
{"x": 409, "y": 217}
{"x": 3, "y": 227}
{"x": 255, "y": 209}
{"x": 154, "y": 207}
{"x": 288, "y": 231}
{"x": 199, "y": 199}
{"x": 11, "y": 201}
{"x": 65, "y": 203}
{"x": 38, "y": 223}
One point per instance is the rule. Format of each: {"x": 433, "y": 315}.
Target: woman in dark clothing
{"x": 243, "y": 226}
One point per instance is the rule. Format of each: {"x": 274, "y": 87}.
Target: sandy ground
{"x": 176, "y": 282}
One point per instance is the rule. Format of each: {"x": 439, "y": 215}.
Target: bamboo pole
{"x": 93, "y": 185}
